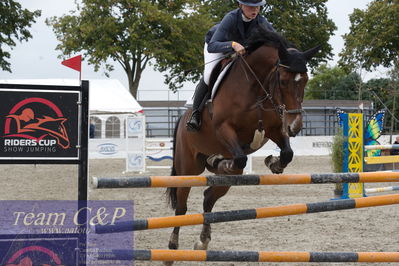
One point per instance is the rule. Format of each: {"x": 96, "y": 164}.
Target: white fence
{"x": 129, "y": 146}
{"x": 136, "y": 149}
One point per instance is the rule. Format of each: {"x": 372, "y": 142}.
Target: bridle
{"x": 259, "y": 105}
{"x": 279, "y": 108}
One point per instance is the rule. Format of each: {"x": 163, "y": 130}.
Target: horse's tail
{"x": 172, "y": 191}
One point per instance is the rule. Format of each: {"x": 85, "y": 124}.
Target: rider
{"x": 228, "y": 36}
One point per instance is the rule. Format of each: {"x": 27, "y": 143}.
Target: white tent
{"x": 110, "y": 96}
{"x": 106, "y": 95}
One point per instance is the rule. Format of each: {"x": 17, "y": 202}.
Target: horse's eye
{"x": 284, "y": 83}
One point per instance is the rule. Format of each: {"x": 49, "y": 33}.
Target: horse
{"x": 259, "y": 99}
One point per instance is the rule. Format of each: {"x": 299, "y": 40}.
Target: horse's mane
{"x": 262, "y": 36}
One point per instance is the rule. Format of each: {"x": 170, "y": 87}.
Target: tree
{"x": 324, "y": 79}
{"x": 14, "y": 21}
{"x": 134, "y": 32}
{"x": 170, "y": 34}
{"x": 373, "y": 39}
{"x": 181, "y": 56}
{"x": 303, "y": 22}
{"x": 333, "y": 83}
{"x": 384, "y": 92}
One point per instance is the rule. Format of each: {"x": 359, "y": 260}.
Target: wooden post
{"x": 353, "y": 162}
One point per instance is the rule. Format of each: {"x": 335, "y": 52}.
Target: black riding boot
{"x": 194, "y": 123}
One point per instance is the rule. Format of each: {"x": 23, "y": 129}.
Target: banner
{"x": 39, "y": 124}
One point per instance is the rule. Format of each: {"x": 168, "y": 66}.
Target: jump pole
{"x": 382, "y": 159}
{"x": 381, "y": 189}
{"x": 382, "y": 147}
{"x": 248, "y": 214}
{"x": 249, "y": 256}
{"x": 242, "y": 180}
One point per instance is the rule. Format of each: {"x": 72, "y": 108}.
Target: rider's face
{"x": 250, "y": 11}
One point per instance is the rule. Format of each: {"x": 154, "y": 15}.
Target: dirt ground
{"x": 368, "y": 229}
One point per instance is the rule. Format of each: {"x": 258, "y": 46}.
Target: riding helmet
{"x": 252, "y": 2}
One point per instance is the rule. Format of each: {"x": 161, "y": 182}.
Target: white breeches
{"x": 211, "y": 60}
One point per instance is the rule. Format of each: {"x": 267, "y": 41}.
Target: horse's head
{"x": 286, "y": 78}
{"x": 292, "y": 75}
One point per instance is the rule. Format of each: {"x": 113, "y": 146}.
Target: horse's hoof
{"x": 173, "y": 245}
{"x": 201, "y": 245}
{"x": 173, "y": 241}
{"x": 269, "y": 160}
{"x": 214, "y": 160}
{"x": 273, "y": 163}
{"x": 225, "y": 166}
{"x": 277, "y": 170}
{"x": 240, "y": 162}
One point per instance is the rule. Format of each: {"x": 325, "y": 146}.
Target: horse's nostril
{"x": 292, "y": 132}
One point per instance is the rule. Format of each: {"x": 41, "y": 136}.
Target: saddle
{"x": 217, "y": 71}
{"x": 217, "y": 75}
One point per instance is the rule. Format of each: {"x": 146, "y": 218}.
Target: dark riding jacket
{"x": 232, "y": 28}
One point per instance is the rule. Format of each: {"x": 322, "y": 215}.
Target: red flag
{"x": 74, "y": 63}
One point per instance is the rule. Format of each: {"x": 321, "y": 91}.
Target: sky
{"x": 38, "y": 59}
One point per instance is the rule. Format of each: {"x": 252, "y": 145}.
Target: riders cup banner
{"x": 39, "y": 124}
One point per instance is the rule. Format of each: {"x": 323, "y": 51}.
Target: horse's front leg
{"x": 229, "y": 139}
{"x": 277, "y": 164}
{"x": 211, "y": 195}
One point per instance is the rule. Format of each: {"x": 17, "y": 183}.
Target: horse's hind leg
{"x": 211, "y": 195}
{"x": 181, "y": 195}
{"x": 181, "y": 209}
{"x": 184, "y": 164}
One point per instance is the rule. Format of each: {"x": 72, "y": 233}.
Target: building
{"x": 320, "y": 116}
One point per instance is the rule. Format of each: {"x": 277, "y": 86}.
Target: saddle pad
{"x": 189, "y": 102}
{"x": 220, "y": 78}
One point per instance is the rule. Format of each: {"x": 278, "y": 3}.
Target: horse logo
{"x": 25, "y": 122}
{"x": 22, "y": 258}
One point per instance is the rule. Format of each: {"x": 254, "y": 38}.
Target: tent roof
{"x": 105, "y": 95}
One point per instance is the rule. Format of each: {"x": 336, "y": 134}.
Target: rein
{"x": 259, "y": 103}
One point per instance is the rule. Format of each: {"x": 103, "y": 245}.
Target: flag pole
{"x": 75, "y": 63}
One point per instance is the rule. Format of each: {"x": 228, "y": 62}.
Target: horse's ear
{"x": 311, "y": 52}
{"x": 282, "y": 52}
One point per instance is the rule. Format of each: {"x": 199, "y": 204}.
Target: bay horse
{"x": 259, "y": 99}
